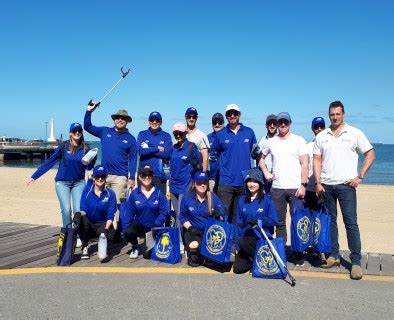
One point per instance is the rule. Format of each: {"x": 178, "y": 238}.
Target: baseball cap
{"x": 283, "y": 116}
{"x": 318, "y": 120}
{"x": 271, "y": 117}
{"x": 99, "y": 170}
{"x": 155, "y": 115}
{"x": 191, "y": 110}
{"x": 74, "y": 126}
{"x": 179, "y": 127}
{"x": 200, "y": 176}
{"x": 218, "y": 116}
{"x": 145, "y": 171}
{"x": 232, "y": 106}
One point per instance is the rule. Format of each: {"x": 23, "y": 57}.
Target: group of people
{"x": 211, "y": 175}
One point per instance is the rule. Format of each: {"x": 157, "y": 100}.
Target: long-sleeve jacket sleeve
{"x": 56, "y": 156}
{"x": 164, "y": 210}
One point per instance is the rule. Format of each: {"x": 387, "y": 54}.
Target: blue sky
{"x": 266, "y": 56}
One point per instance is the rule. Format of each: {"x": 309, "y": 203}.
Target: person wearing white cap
{"x": 289, "y": 172}
{"x": 233, "y": 145}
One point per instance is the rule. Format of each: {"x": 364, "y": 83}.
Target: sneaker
{"x": 79, "y": 243}
{"x": 182, "y": 249}
{"x": 193, "y": 260}
{"x": 331, "y": 262}
{"x": 85, "y": 253}
{"x": 134, "y": 254}
{"x": 356, "y": 273}
{"x": 299, "y": 260}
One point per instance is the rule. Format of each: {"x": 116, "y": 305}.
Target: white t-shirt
{"x": 286, "y": 166}
{"x": 199, "y": 138}
{"x": 268, "y": 159}
{"x": 340, "y": 154}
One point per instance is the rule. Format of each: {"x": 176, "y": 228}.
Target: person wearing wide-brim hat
{"x": 252, "y": 206}
{"x": 118, "y": 149}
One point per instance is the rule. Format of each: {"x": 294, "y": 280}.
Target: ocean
{"x": 381, "y": 173}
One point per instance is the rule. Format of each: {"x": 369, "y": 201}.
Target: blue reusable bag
{"x": 265, "y": 264}
{"x": 167, "y": 245}
{"x": 301, "y": 227}
{"x": 124, "y": 217}
{"x": 321, "y": 230}
{"x": 217, "y": 240}
{"x": 66, "y": 246}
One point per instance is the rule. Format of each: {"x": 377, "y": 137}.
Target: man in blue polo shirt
{"x": 217, "y": 125}
{"x": 233, "y": 144}
{"x": 118, "y": 150}
{"x": 154, "y": 148}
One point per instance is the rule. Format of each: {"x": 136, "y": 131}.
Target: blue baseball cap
{"x": 74, "y": 126}
{"x": 99, "y": 170}
{"x": 191, "y": 110}
{"x": 283, "y": 116}
{"x": 218, "y": 116}
{"x": 318, "y": 121}
{"x": 155, "y": 115}
{"x": 200, "y": 176}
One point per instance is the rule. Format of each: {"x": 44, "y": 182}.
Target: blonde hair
{"x": 208, "y": 196}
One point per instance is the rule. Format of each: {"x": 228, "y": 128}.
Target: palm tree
{"x": 165, "y": 241}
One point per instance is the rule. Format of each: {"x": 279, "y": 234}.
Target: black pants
{"x": 88, "y": 230}
{"x": 160, "y": 184}
{"x": 189, "y": 238}
{"x": 229, "y": 196}
{"x": 244, "y": 257}
{"x": 135, "y": 230}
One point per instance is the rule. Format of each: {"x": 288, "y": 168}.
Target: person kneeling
{"x": 196, "y": 207}
{"x": 253, "y": 206}
{"x": 147, "y": 207}
{"x": 98, "y": 206}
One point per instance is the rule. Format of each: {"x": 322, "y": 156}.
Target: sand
{"x": 38, "y": 204}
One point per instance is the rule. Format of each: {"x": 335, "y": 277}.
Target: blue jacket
{"x": 264, "y": 210}
{"x": 150, "y": 212}
{"x": 196, "y": 212}
{"x": 98, "y": 209}
{"x": 181, "y": 168}
{"x": 213, "y": 157}
{"x": 234, "y": 151}
{"x": 118, "y": 149}
{"x": 70, "y": 165}
{"x": 147, "y": 143}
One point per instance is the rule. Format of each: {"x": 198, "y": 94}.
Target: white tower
{"x": 51, "y": 136}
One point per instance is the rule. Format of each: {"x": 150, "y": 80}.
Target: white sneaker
{"x": 134, "y": 254}
{"x": 85, "y": 253}
{"x": 79, "y": 243}
{"x": 182, "y": 248}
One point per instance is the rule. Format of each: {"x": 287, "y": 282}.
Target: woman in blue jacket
{"x": 146, "y": 207}
{"x": 70, "y": 176}
{"x": 196, "y": 207}
{"x": 253, "y": 206}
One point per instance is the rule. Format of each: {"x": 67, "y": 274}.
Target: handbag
{"x": 167, "y": 245}
{"x": 124, "y": 217}
{"x": 301, "y": 227}
{"x": 321, "y": 230}
{"x": 66, "y": 246}
{"x": 265, "y": 264}
{"x": 217, "y": 240}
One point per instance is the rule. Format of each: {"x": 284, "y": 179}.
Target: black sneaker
{"x": 299, "y": 259}
{"x": 193, "y": 260}
{"x": 85, "y": 253}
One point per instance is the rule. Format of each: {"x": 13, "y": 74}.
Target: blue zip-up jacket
{"x": 181, "y": 168}
{"x": 98, "y": 209}
{"x": 147, "y": 142}
{"x": 70, "y": 165}
{"x": 213, "y": 157}
{"x": 264, "y": 211}
{"x": 150, "y": 212}
{"x": 196, "y": 212}
{"x": 234, "y": 151}
{"x": 119, "y": 149}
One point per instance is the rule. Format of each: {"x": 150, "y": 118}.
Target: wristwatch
{"x": 304, "y": 184}
{"x": 360, "y": 176}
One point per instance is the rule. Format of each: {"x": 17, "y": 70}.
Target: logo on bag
{"x": 265, "y": 261}
{"x": 303, "y": 229}
{"x": 316, "y": 230}
{"x": 60, "y": 243}
{"x": 216, "y": 239}
{"x": 164, "y": 246}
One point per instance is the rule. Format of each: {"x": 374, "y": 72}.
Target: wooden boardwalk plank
{"x": 20, "y": 231}
{"x": 387, "y": 265}
{"x": 373, "y": 263}
{"x": 34, "y": 236}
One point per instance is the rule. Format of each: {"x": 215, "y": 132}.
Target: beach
{"x": 38, "y": 204}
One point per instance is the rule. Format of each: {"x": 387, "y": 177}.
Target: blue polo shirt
{"x": 70, "y": 165}
{"x": 213, "y": 157}
{"x": 181, "y": 168}
{"x": 234, "y": 151}
{"x": 119, "y": 149}
{"x": 98, "y": 209}
{"x": 196, "y": 212}
{"x": 150, "y": 212}
{"x": 148, "y": 142}
{"x": 264, "y": 210}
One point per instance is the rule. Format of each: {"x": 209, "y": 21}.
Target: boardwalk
{"x": 30, "y": 246}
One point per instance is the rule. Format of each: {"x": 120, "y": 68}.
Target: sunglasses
{"x": 178, "y": 133}
{"x": 191, "y": 116}
{"x": 217, "y": 123}
{"x": 232, "y": 113}
{"x": 76, "y": 131}
{"x": 271, "y": 123}
{"x": 319, "y": 126}
{"x": 154, "y": 120}
{"x": 144, "y": 176}
{"x": 120, "y": 118}
{"x": 284, "y": 121}
{"x": 101, "y": 176}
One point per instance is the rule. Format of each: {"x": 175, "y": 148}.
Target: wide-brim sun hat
{"x": 254, "y": 174}
{"x": 122, "y": 113}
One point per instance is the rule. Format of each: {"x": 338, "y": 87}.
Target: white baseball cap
{"x": 232, "y": 106}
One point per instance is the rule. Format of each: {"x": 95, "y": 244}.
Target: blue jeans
{"x": 347, "y": 198}
{"x": 69, "y": 193}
